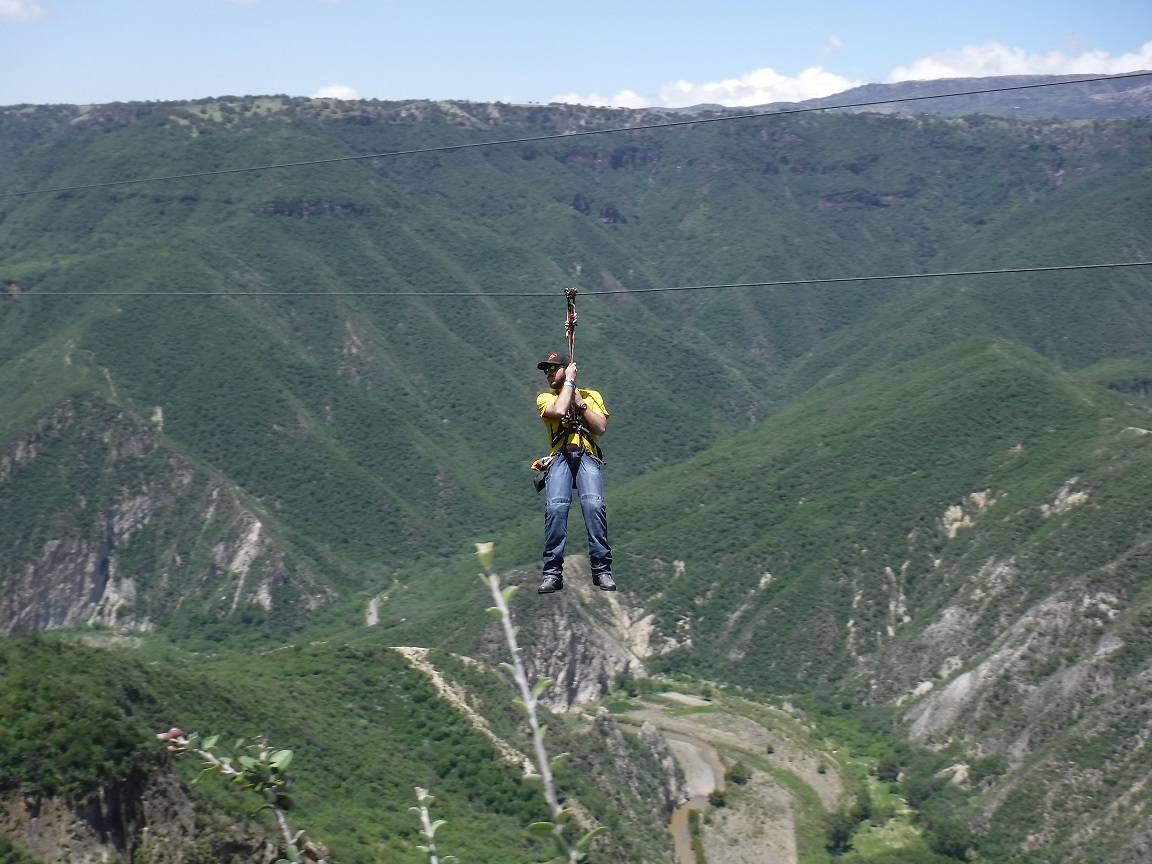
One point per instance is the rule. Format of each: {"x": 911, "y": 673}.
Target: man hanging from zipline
{"x": 575, "y": 420}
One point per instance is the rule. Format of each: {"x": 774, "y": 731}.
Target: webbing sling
{"x": 570, "y": 324}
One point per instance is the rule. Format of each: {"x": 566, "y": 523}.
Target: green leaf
{"x": 436, "y": 826}
{"x": 281, "y": 758}
{"x": 239, "y": 743}
{"x": 540, "y": 829}
{"x": 559, "y": 760}
{"x": 590, "y": 836}
{"x": 203, "y": 774}
{"x": 209, "y": 743}
{"x": 563, "y": 815}
{"x": 540, "y": 686}
{"x": 509, "y": 668}
{"x": 561, "y": 846}
{"x": 495, "y": 611}
{"x": 247, "y": 761}
{"x": 509, "y": 592}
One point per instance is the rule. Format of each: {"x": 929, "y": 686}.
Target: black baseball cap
{"x": 554, "y": 359}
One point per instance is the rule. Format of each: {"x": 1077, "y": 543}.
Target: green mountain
{"x": 262, "y": 408}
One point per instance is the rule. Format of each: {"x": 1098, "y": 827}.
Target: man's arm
{"x": 596, "y": 422}
{"x": 569, "y": 395}
{"x": 563, "y": 401}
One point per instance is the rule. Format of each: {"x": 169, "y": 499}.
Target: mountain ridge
{"x": 1025, "y": 96}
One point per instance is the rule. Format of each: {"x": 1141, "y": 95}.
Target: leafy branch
{"x": 429, "y": 828}
{"x": 568, "y": 853}
{"x": 256, "y": 768}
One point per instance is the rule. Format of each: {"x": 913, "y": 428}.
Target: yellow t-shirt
{"x": 592, "y": 399}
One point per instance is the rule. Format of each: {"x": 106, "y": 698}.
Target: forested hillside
{"x": 245, "y": 410}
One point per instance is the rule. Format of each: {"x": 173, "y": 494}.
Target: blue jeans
{"x": 558, "y": 494}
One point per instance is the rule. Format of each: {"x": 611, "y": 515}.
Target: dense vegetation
{"x": 365, "y": 729}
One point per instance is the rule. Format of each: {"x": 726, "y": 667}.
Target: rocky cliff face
{"x": 102, "y": 524}
{"x": 581, "y": 638}
{"x": 644, "y": 764}
{"x": 149, "y": 817}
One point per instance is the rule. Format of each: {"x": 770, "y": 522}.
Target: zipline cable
{"x": 566, "y": 135}
{"x": 779, "y": 283}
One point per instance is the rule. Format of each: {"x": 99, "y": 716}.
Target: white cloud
{"x": 20, "y": 10}
{"x": 833, "y": 44}
{"x": 756, "y": 88}
{"x": 992, "y": 58}
{"x": 623, "y": 99}
{"x": 336, "y": 91}
{"x": 765, "y": 85}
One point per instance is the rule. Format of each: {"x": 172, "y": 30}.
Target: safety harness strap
{"x": 568, "y": 427}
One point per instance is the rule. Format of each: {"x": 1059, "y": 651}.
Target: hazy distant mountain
{"x": 1115, "y": 97}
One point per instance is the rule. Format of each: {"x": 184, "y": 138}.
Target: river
{"x": 703, "y": 772}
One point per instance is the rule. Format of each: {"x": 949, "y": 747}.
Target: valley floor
{"x": 762, "y": 817}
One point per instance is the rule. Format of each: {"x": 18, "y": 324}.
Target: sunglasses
{"x": 548, "y": 370}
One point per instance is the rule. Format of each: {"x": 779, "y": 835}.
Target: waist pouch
{"x": 541, "y": 466}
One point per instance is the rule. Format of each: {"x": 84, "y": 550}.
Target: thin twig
{"x": 530, "y": 701}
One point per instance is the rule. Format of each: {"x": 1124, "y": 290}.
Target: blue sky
{"x": 632, "y": 53}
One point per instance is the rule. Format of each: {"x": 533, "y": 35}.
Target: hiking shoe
{"x": 550, "y": 585}
{"x": 604, "y": 581}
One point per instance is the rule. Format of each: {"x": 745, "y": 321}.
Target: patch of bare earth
{"x": 758, "y": 825}
{"x": 733, "y": 732}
